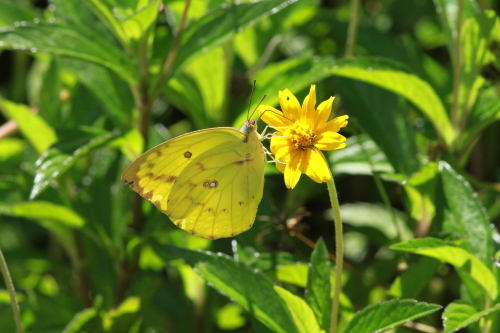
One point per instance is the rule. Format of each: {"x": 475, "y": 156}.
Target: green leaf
{"x": 464, "y": 215}
{"x": 302, "y": 314}
{"x": 459, "y": 315}
{"x": 61, "y": 156}
{"x": 295, "y": 74}
{"x": 201, "y": 90}
{"x": 463, "y": 261}
{"x": 295, "y": 274}
{"x": 44, "y": 88}
{"x": 112, "y": 92}
{"x": 352, "y": 160}
{"x": 43, "y": 210}
{"x": 390, "y": 76}
{"x": 415, "y": 278}
{"x": 15, "y": 11}
{"x": 421, "y": 191}
{"x": 383, "y": 316}
{"x": 106, "y": 16}
{"x": 220, "y": 25}
{"x": 251, "y": 289}
{"x": 33, "y": 127}
{"x": 384, "y": 117}
{"x": 477, "y": 34}
{"x": 448, "y": 12}
{"x": 63, "y": 41}
{"x": 377, "y": 217}
{"x": 318, "y": 290}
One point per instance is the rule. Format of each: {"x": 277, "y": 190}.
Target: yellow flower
{"x": 302, "y": 132}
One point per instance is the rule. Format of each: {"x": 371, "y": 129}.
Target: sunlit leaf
{"x": 302, "y": 314}
{"x": 44, "y": 210}
{"x": 33, "y": 127}
{"x": 383, "y": 316}
{"x": 391, "y": 77}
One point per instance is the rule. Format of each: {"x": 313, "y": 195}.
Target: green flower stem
{"x": 12, "y": 292}
{"x": 339, "y": 252}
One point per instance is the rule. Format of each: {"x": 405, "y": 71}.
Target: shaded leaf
{"x": 64, "y": 41}
{"x": 383, "y": 115}
{"x": 383, "y": 316}
{"x": 415, "y": 278}
{"x": 464, "y": 215}
{"x": 352, "y": 160}
{"x": 251, "y": 289}
{"x": 448, "y": 12}
{"x": 318, "y": 290}
{"x": 221, "y": 24}
{"x": 61, "y": 156}
{"x": 465, "y": 262}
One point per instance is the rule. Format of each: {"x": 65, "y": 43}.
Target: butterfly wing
{"x": 209, "y": 182}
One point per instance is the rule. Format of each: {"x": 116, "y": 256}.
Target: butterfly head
{"x": 249, "y": 127}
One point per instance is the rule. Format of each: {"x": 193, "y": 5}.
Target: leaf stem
{"x": 352, "y": 30}
{"x": 339, "y": 252}
{"x": 167, "y": 66}
{"x": 12, "y": 293}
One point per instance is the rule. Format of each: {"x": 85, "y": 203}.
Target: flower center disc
{"x": 300, "y": 136}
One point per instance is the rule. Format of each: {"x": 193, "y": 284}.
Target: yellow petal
{"x": 329, "y": 141}
{"x": 317, "y": 166}
{"x": 292, "y": 170}
{"x": 335, "y": 124}
{"x": 289, "y": 104}
{"x": 281, "y": 166}
{"x": 323, "y": 112}
{"x": 277, "y": 142}
{"x": 272, "y": 116}
{"x": 308, "y": 110}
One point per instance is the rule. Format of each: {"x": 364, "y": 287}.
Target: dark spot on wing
{"x": 240, "y": 203}
{"x": 188, "y": 154}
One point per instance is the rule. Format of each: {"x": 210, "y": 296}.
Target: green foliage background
{"x": 87, "y": 86}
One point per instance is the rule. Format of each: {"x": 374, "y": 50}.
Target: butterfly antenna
{"x": 250, "y": 101}
{"x": 262, "y": 99}
{"x": 276, "y": 113}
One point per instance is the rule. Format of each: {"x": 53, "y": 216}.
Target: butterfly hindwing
{"x": 209, "y": 182}
{"x": 217, "y": 195}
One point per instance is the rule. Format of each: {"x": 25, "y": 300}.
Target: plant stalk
{"x": 167, "y": 66}
{"x": 339, "y": 252}
{"x": 12, "y": 293}
{"x": 352, "y": 30}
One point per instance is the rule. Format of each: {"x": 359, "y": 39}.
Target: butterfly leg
{"x": 264, "y": 135}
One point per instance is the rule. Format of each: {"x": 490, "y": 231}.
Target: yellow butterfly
{"x": 209, "y": 182}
